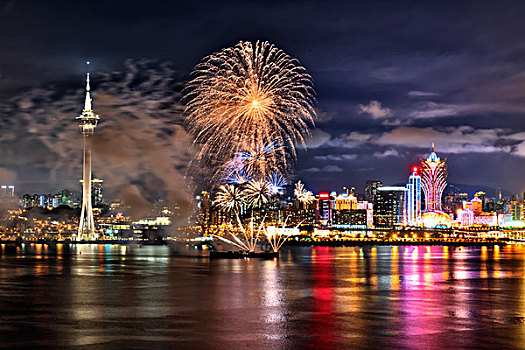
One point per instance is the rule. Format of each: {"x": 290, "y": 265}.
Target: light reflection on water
{"x": 117, "y": 297}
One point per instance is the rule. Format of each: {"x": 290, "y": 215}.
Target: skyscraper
{"x": 413, "y": 201}
{"x": 371, "y": 187}
{"x": 88, "y": 121}
{"x": 205, "y": 211}
{"x": 389, "y": 206}
{"x": 434, "y": 173}
{"x": 7, "y": 191}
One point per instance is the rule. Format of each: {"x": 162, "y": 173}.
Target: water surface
{"x": 115, "y": 297}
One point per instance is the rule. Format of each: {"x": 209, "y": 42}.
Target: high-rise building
{"x": 349, "y": 218}
{"x": 345, "y": 201}
{"x": 475, "y": 205}
{"x": 499, "y": 193}
{"x": 516, "y": 209}
{"x": 433, "y": 175}
{"x": 371, "y": 187}
{"x": 324, "y": 208}
{"x": 204, "y": 214}
{"x": 88, "y": 122}
{"x": 482, "y": 197}
{"x": 97, "y": 196}
{"x": 413, "y": 200}
{"x": 349, "y": 190}
{"x": 389, "y": 206}
{"x": 7, "y": 191}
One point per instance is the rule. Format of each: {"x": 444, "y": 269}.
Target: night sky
{"x": 391, "y": 78}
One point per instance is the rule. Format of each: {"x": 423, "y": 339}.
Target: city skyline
{"x": 382, "y": 95}
{"x": 262, "y": 174}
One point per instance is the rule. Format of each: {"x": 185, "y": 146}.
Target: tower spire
{"x": 432, "y": 142}
{"x": 87, "y": 104}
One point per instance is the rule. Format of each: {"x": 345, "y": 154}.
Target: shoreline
{"x": 339, "y": 243}
{"x": 362, "y": 243}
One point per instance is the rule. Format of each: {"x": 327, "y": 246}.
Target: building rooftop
{"x": 391, "y": 188}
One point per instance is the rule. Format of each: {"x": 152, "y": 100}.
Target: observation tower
{"x": 87, "y": 122}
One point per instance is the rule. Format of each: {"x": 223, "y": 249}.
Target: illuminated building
{"x": 482, "y": 197}
{"x": 465, "y": 217}
{"x": 97, "y": 196}
{"x": 345, "y": 201}
{"x": 452, "y": 202}
{"x": 88, "y": 121}
{"x": 371, "y": 187}
{"x": 299, "y": 216}
{"x": 349, "y": 218}
{"x": 369, "y": 207}
{"x": 413, "y": 200}
{"x": 486, "y": 219}
{"x": 516, "y": 209}
{"x": 434, "y": 173}
{"x": 204, "y": 210}
{"x": 324, "y": 208}
{"x": 475, "y": 205}
{"x": 499, "y": 193}
{"x": 335, "y": 210}
{"x": 27, "y": 201}
{"x": 349, "y": 190}
{"x": 7, "y": 191}
{"x": 389, "y": 206}
{"x": 433, "y": 219}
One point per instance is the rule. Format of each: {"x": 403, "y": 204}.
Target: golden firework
{"x": 247, "y": 95}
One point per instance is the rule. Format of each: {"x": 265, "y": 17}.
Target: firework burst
{"x": 276, "y": 182}
{"x": 229, "y": 198}
{"x": 235, "y": 172}
{"x": 304, "y": 196}
{"x": 249, "y": 95}
{"x": 257, "y": 193}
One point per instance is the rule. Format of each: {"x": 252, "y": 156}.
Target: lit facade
{"x": 7, "y": 191}
{"x": 433, "y": 175}
{"x": 436, "y": 219}
{"x": 475, "y": 205}
{"x": 87, "y": 121}
{"x": 413, "y": 201}
{"x": 486, "y": 219}
{"x": 389, "y": 206}
{"x": 465, "y": 217}
{"x": 371, "y": 187}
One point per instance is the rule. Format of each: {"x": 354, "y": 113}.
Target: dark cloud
{"x": 140, "y": 148}
{"x": 392, "y": 77}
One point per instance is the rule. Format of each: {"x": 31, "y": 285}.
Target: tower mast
{"x": 87, "y": 122}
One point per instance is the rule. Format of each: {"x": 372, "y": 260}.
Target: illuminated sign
{"x": 324, "y": 195}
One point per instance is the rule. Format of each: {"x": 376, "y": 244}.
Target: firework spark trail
{"x": 244, "y": 247}
{"x": 235, "y": 172}
{"x": 260, "y": 159}
{"x": 303, "y": 195}
{"x": 247, "y": 94}
{"x": 257, "y": 193}
{"x": 250, "y": 164}
{"x": 230, "y": 198}
{"x": 275, "y": 239}
{"x": 276, "y": 182}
